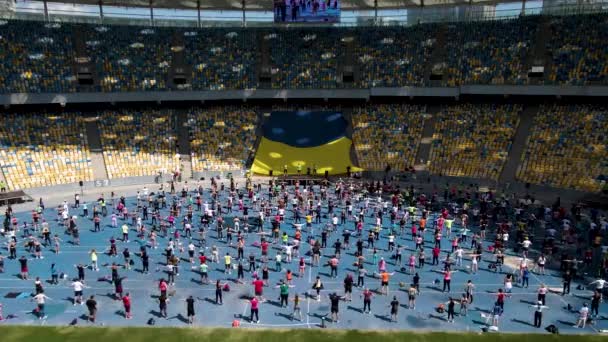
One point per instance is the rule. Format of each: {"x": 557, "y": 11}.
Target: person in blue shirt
{"x": 54, "y": 276}
{"x": 525, "y": 277}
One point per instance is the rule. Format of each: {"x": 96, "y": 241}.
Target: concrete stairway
{"x": 348, "y": 115}
{"x": 3, "y": 179}
{"x": 98, "y": 163}
{"x": 258, "y": 135}
{"x": 538, "y": 55}
{"x": 526, "y": 120}
{"x": 183, "y": 142}
{"x": 438, "y": 55}
{"x": 424, "y": 149}
{"x": 263, "y": 62}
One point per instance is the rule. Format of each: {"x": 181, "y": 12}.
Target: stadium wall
{"x": 267, "y": 94}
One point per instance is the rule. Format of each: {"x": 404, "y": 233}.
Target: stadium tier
{"x": 579, "y": 50}
{"x": 220, "y": 59}
{"x": 222, "y": 137}
{"x": 40, "y": 149}
{"x": 138, "y": 142}
{"x": 473, "y": 140}
{"x": 41, "y": 58}
{"x": 490, "y": 52}
{"x": 387, "y": 135}
{"x": 36, "y": 58}
{"x": 567, "y": 148}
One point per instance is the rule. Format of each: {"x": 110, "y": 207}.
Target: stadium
{"x": 303, "y": 169}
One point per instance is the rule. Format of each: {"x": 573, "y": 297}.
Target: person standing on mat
{"x": 254, "y": 310}
{"x": 538, "y": 313}
{"x": 190, "y": 309}
{"x": 367, "y": 300}
{"x": 126, "y": 302}
{"x": 451, "y": 310}
{"x": 394, "y": 309}
{"x": 335, "y": 306}
{"x": 92, "y": 306}
{"x": 40, "y": 300}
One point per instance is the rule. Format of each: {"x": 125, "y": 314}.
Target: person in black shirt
{"x": 92, "y": 306}
{"x": 451, "y": 305}
{"x": 24, "y": 270}
{"x": 145, "y": 262}
{"x": 337, "y": 248}
{"x": 567, "y": 281}
{"x": 80, "y": 268}
{"x": 190, "y": 309}
{"x": 416, "y": 282}
{"x": 162, "y": 305}
{"x": 335, "y": 306}
{"x": 348, "y": 287}
{"x": 394, "y": 309}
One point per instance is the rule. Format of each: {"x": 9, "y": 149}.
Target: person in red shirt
{"x": 202, "y": 258}
{"x": 126, "y": 302}
{"x": 258, "y": 288}
{"x": 500, "y": 299}
{"x": 436, "y": 252}
{"x": 264, "y": 247}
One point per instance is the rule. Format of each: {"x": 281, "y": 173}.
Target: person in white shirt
{"x": 526, "y": 245}
{"x": 599, "y": 285}
{"x": 583, "y": 314}
{"x": 538, "y": 313}
{"x": 78, "y": 286}
{"x": 40, "y": 300}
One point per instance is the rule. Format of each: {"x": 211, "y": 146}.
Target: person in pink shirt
{"x": 412, "y": 264}
{"x": 381, "y": 265}
{"x": 254, "y": 310}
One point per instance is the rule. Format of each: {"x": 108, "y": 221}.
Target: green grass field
{"x": 84, "y": 334}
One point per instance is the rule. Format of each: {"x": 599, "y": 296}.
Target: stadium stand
{"x": 221, "y": 58}
{"x": 222, "y": 137}
{"x": 387, "y": 134}
{"x": 579, "y": 49}
{"x": 567, "y": 148}
{"x": 305, "y": 58}
{"x": 138, "y": 142}
{"x": 42, "y": 150}
{"x": 489, "y": 52}
{"x": 35, "y": 58}
{"x": 129, "y": 58}
{"x": 378, "y": 48}
{"x": 473, "y": 140}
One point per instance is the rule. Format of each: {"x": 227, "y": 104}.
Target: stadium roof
{"x": 267, "y": 4}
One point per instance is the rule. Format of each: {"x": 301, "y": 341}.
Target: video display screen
{"x": 307, "y": 11}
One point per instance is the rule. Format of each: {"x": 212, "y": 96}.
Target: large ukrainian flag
{"x": 304, "y": 139}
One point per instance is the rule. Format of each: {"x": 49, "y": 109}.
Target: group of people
{"x": 299, "y": 221}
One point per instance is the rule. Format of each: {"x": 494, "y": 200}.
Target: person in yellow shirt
{"x": 93, "y": 254}
{"x": 228, "y": 263}
{"x": 125, "y": 233}
{"x": 309, "y": 222}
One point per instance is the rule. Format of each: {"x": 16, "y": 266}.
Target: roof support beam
{"x": 151, "y": 14}
{"x": 101, "y": 10}
{"x": 46, "y": 11}
{"x": 243, "y": 8}
{"x": 376, "y": 11}
{"x": 198, "y": 12}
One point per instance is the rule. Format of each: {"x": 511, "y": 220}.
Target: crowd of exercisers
{"x": 444, "y": 229}
{"x": 39, "y": 58}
